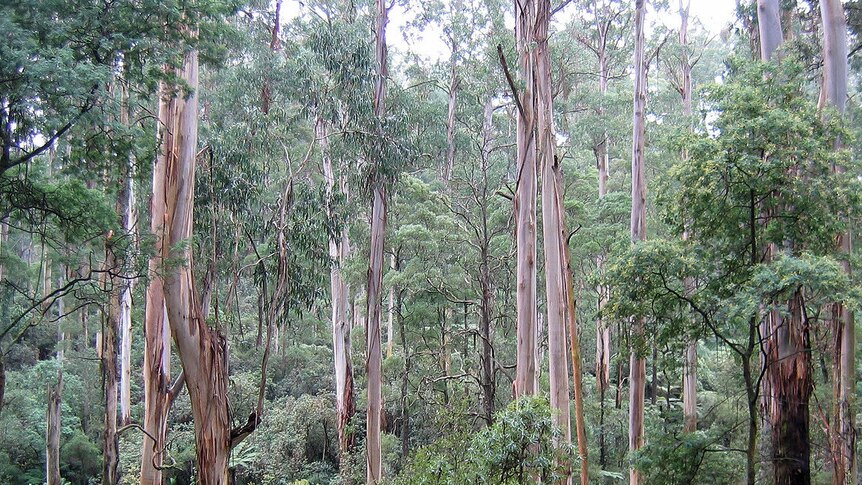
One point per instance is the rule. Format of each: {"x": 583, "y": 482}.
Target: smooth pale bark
{"x": 345, "y": 405}
{"x": 126, "y": 210}
{"x": 637, "y": 365}
{"x": 787, "y": 383}
{"x": 689, "y": 377}
{"x": 157, "y": 335}
{"x": 374, "y": 462}
{"x": 374, "y": 469}
{"x": 769, "y": 27}
{"x": 552, "y": 221}
{"x": 603, "y": 330}
{"x": 525, "y": 207}
{"x": 835, "y": 70}
{"x": 390, "y": 318}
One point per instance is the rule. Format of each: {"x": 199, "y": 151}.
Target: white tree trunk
{"x": 525, "y": 207}
{"x": 374, "y": 462}
{"x": 835, "y": 71}
{"x": 637, "y": 365}
{"x": 338, "y": 251}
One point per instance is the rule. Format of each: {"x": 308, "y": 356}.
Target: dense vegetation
{"x": 198, "y": 197}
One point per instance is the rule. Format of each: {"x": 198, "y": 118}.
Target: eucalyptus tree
{"x": 718, "y": 195}
{"x": 637, "y": 363}
{"x": 374, "y": 472}
{"x": 605, "y": 33}
{"x": 843, "y": 324}
{"x": 526, "y": 380}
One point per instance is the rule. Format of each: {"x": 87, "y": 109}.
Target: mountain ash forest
{"x": 430, "y": 242}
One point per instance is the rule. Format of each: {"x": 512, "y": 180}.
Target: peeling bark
{"x": 525, "y": 207}
{"x": 157, "y": 335}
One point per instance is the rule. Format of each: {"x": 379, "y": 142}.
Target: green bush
{"x": 517, "y": 449}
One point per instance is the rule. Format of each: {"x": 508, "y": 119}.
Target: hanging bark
{"x": 374, "y": 463}
{"x": 835, "y": 71}
{"x": 788, "y": 372}
{"x": 338, "y": 250}
{"x": 552, "y": 221}
{"x": 525, "y": 206}
{"x": 202, "y": 350}
{"x": 787, "y": 383}
{"x": 637, "y": 368}
{"x": 157, "y": 335}
{"x": 770, "y": 35}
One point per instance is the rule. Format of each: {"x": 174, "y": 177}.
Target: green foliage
{"x": 676, "y": 459}
{"x": 517, "y": 449}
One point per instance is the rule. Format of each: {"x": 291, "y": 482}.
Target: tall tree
{"x": 374, "y": 468}
{"x": 552, "y": 223}
{"x": 689, "y": 377}
{"x": 339, "y": 247}
{"x": 637, "y": 363}
{"x": 157, "y": 334}
{"x": 525, "y": 205}
{"x": 202, "y": 350}
{"x": 787, "y": 382}
{"x": 843, "y": 324}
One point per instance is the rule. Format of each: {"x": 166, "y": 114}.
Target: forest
{"x": 440, "y": 242}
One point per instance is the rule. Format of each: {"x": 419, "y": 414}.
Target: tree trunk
{"x": 525, "y": 207}
{"x": 454, "y": 83}
{"x": 110, "y": 440}
{"x": 52, "y": 434}
{"x": 788, "y": 371}
{"x": 637, "y": 369}
{"x": 202, "y": 350}
{"x": 689, "y": 379}
{"x": 405, "y": 378}
{"x": 552, "y": 222}
{"x": 843, "y": 327}
{"x": 372, "y": 330}
{"x": 338, "y": 251}
{"x": 157, "y": 335}
{"x": 390, "y": 317}
{"x": 769, "y": 26}
{"x": 126, "y": 210}
{"x": 486, "y": 285}
{"x": 603, "y": 330}
{"x": 374, "y": 462}
{"x": 571, "y": 316}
